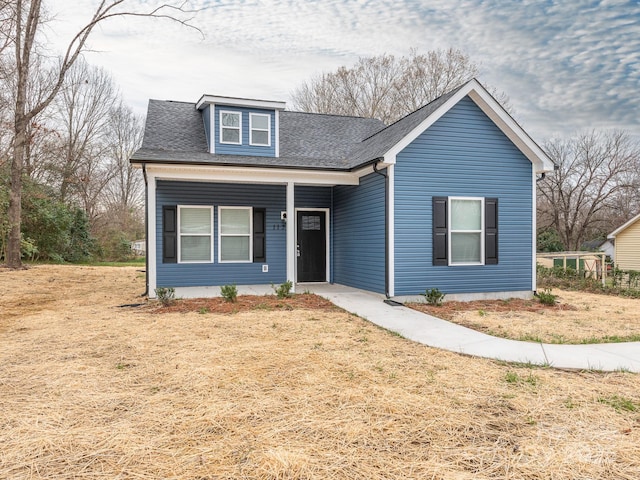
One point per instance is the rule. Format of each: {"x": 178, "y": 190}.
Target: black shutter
{"x": 490, "y": 231}
{"x": 169, "y": 234}
{"x": 259, "y": 237}
{"x": 440, "y": 231}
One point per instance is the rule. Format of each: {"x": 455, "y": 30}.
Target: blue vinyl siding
{"x": 312, "y": 197}
{"x": 359, "y": 234}
{"x": 245, "y": 148}
{"x": 206, "y": 119}
{"x": 271, "y": 197}
{"x": 462, "y": 154}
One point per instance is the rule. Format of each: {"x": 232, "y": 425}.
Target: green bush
{"x": 547, "y": 298}
{"x": 549, "y": 241}
{"x": 51, "y": 230}
{"x": 433, "y": 296}
{"x": 28, "y": 248}
{"x": 283, "y": 290}
{"x": 229, "y": 293}
{"x": 166, "y": 295}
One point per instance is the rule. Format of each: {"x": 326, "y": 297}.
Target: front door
{"x": 312, "y": 246}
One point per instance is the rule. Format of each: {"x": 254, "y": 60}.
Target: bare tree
{"x": 596, "y": 172}
{"x": 23, "y": 20}
{"x": 386, "y": 87}
{"x": 82, "y": 111}
{"x": 125, "y": 190}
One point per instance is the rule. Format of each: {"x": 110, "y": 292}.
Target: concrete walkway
{"x": 438, "y": 333}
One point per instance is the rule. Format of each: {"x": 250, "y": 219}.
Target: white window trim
{"x": 450, "y": 231}
{"x": 239, "y": 127}
{"x": 220, "y": 234}
{"x": 180, "y": 235}
{"x": 268, "y": 129}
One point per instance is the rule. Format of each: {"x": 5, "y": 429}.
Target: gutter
{"x": 386, "y": 224}
{"x": 142, "y": 161}
{"x": 146, "y": 230}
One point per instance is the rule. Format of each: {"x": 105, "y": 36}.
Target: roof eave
{"x": 239, "y": 102}
{"x": 474, "y": 89}
{"x": 626, "y": 225}
{"x": 135, "y": 160}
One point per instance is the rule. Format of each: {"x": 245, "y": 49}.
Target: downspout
{"x": 146, "y": 230}
{"x": 386, "y": 226}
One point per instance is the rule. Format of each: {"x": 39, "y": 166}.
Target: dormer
{"x": 241, "y": 126}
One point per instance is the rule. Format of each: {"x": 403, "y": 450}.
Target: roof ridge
{"x": 171, "y": 101}
{"x": 332, "y": 115}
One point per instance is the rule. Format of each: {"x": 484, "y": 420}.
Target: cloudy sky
{"x": 567, "y": 65}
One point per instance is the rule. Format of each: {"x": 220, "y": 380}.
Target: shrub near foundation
{"x": 229, "y": 293}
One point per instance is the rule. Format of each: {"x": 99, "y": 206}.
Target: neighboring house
{"x": 599, "y": 245}
{"x": 241, "y": 191}
{"x": 626, "y": 244}
{"x": 139, "y": 247}
{"x": 608, "y": 248}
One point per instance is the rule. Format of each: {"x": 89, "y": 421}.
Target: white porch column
{"x": 151, "y": 241}
{"x": 291, "y": 235}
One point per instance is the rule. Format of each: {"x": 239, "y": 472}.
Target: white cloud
{"x": 565, "y": 65}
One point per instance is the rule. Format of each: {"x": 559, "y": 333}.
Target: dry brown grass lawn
{"x": 90, "y": 390}
{"x": 579, "y": 317}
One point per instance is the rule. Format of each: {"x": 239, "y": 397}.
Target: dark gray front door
{"x": 312, "y": 246}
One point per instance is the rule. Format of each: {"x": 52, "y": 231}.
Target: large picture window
{"x": 259, "y": 129}
{"x": 235, "y": 234}
{"x": 465, "y": 233}
{"x": 231, "y": 127}
{"x": 195, "y": 234}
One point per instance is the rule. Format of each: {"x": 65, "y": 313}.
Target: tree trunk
{"x": 13, "y": 258}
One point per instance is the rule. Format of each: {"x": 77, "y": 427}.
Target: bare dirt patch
{"x": 91, "y": 390}
{"x": 578, "y": 317}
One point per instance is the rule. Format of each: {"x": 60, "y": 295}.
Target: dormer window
{"x": 260, "y": 129}
{"x": 231, "y": 127}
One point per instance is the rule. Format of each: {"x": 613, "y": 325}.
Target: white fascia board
{"x": 390, "y": 156}
{"x": 495, "y": 112}
{"x": 240, "y": 102}
{"x": 197, "y": 173}
{"x": 512, "y": 130}
{"x": 613, "y": 234}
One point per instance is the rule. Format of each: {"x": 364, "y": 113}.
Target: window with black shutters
{"x": 465, "y": 231}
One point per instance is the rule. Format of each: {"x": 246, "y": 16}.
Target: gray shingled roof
{"x": 381, "y": 142}
{"x": 174, "y": 133}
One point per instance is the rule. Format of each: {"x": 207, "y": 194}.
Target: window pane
{"x": 234, "y": 249}
{"x": 465, "y": 247}
{"x": 234, "y": 220}
{"x": 195, "y": 220}
{"x": 260, "y": 138}
{"x": 466, "y": 214}
{"x": 193, "y": 249}
{"x": 311, "y": 222}
{"x": 230, "y": 135}
{"x": 231, "y": 119}
{"x": 260, "y": 121}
